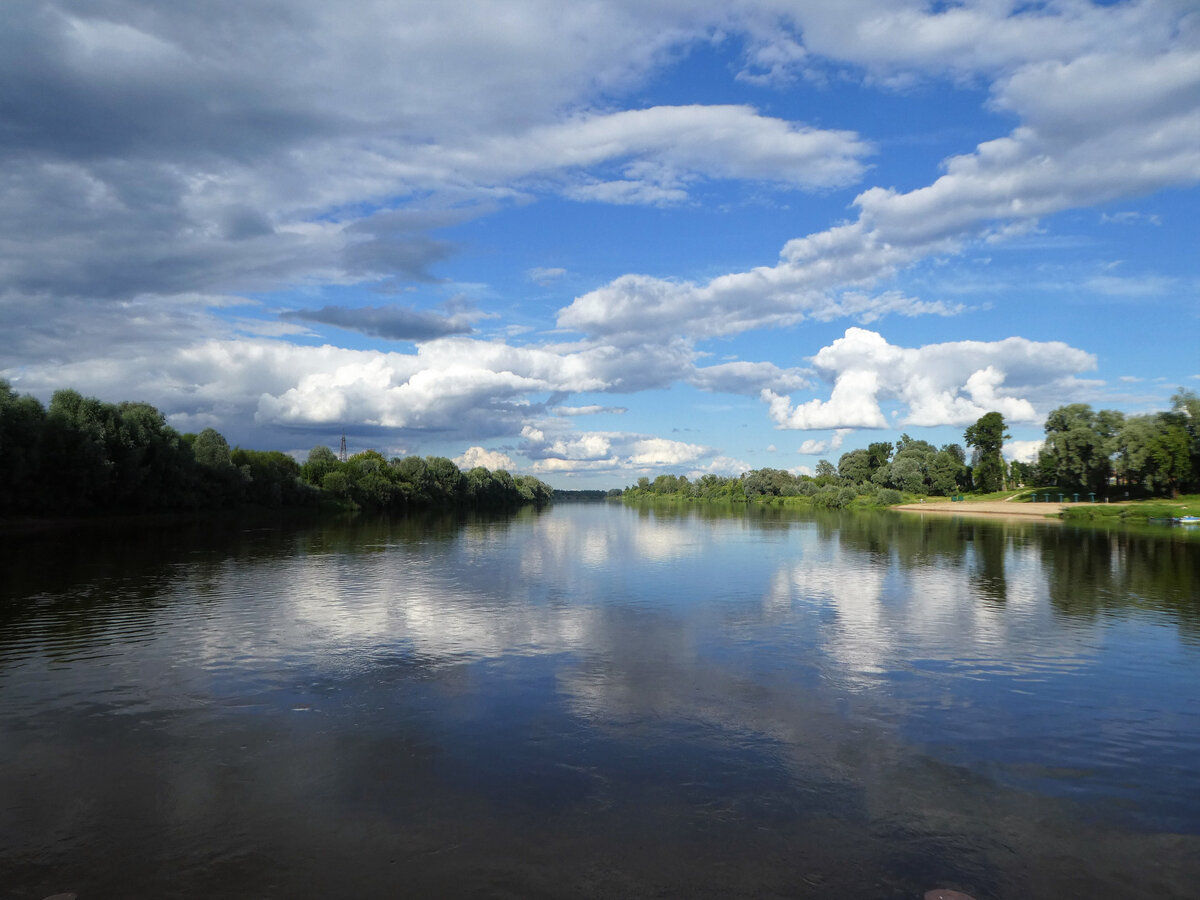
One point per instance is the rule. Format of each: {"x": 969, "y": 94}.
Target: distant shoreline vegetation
{"x": 1103, "y": 455}
{"x": 83, "y": 456}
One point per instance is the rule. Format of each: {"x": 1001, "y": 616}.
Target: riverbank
{"x": 1003, "y": 508}
{"x": 1129, "y": 511}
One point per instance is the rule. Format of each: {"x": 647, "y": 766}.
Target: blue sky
{"x": 600, "y": 240}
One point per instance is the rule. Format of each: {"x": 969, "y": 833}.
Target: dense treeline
{"x": 825, "y": 491}
{"x": 1104, "y": 453}
{"x": 81, "y": 455}
{"x": 1109, "y": 453}
{"x": 878, "y": 475}
{"x": 370, "y": 480}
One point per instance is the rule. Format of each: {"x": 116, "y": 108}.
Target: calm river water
{"x": 600, "y": 701}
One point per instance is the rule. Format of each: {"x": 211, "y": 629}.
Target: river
{"x": 598, "y": 700}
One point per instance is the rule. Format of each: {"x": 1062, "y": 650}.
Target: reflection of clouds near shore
{"x": 889, "y": 618}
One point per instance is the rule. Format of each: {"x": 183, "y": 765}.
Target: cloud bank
{"x": 169, "y": 174}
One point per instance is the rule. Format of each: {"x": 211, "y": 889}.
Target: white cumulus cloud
{"x": 939, "y": 384}
{"x": 489, "y": 459}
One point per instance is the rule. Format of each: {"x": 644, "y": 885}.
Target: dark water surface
{"x": 599, "y": 701}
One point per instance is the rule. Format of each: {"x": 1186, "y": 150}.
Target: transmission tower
{"x": 342, "y": 449}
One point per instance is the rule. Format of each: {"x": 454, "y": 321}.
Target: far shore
{"x": 1005, "y": 508}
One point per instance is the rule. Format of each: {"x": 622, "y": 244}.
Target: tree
{"x": 212, "y": 450}
{"x": 336, "y": 483}
{"x": 22, "y": 426}
{"x": 957, "y": 452}
{"x": 445, "y": 478}
{"x": 944, "y": 471}
{"x": 78, "y": 470}
{"x": 321, "y": 461}
{"x": 880, "y": 453}
{"x": 534, "y": 489}
{"x": 1154, "y": 453}
{"x": 1079, "y": 446}
{"x": 987, "y": 437}
{"x": 1186, "y": 405}
{"x": 769, "y": 483}
{"x": 272, "y": 478}
{"x": 855, "y": 467}
{"x": 907, "y": 444}
{"x": 153, "y": 469}
{"x": 1022, "y": 472}
{"x": 826, "y": 473}
{"x": 906, "y": 475}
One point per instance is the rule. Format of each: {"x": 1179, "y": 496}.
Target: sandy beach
{"x": 987, "y": 508}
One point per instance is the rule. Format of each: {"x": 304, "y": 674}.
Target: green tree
{"x": 666, "y": 484}
{"x": 1023, "y": 473}
{"x": 855, "y": 466}
{"x": 1077, "y": 454}
{"x": 1154, "y": 454}
{"x": 769, "y": 483}
{"x": 534, "y": 489}
{"x": 944, "y": 471}
{"x": 445, "y": 479}
{"x": 910, "y": 445}
{"x": 22, "y": 431}
{"x": 320, "y": 462}
{"x": 906, "y": 475}
{"x": 956, "y": 451}
{"x": 1186, "y": 405}
{"x": 212, "y": 450}
{"x": 411, "y": 475}
{"x": 78, "y": 471}
{"x": 336, "y": 483}
{"x": 825, "y": 473}
{"x": 880, "y": 454}
{"x": 153, "y": 469}
{"x": 272, "y": 478}
{"x": 987, "y": 437}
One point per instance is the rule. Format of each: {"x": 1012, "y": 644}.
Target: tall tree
{"x": 321, "y": 461}
{"x": 212, "y": 450}
{"x": 880, "y": 453}
{"x": 78, "y": 469}
{"x": 22, "y": 426}
{"x": 1154, "y": 453}
{"x": 855, "y": 466}
{"x": 987, "y": 437}
{"x": 944, "y": 469}
{"x": 1077, "y": 454}
{"x": 1186, "y": 405}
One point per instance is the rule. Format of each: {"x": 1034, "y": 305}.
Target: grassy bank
{"x": 1136, "y": 511}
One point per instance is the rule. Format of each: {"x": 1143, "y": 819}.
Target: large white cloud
{"x": 939, "y": 384}
{"x": 614, "y": 452}
{"x": 489, "y": 459}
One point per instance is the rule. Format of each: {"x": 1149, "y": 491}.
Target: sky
{"x": 604, "y": 239}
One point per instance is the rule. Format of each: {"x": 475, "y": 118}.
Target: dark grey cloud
{"x": 41, "y": 330}
{"x": 86, "y": 81}
{"x": 748, "y": 378}
{"x": 391, "y": 322}
{"x": 396, "y": 242}
{"x": 406, "y": 256}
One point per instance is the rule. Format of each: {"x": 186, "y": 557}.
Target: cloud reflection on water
{"x": 850, "y": 675}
